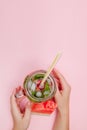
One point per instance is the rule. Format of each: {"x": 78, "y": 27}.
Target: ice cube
{"x": 33, "y": 87}
{"x": 38, "y": 94}
{"x": 30, "y": 84}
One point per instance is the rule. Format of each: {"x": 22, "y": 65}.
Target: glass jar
{"x": 37, "y": 93}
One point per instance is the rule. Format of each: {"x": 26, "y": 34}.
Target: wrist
{"x": 17, "y": 128}
{"x": 63, "y": 112}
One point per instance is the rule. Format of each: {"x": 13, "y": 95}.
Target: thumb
{"x": 27, "y": 113}
{"x": 57, "y": 95}
{"x": 14, "y": 108}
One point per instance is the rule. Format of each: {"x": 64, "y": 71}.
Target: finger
{"x": 12, "y": 98}
{"x": 54, "y": 74}
{"x": 57, "y": 74}
{"x": 27, "y": 113}
{"x": 61, "y": 78}
{"x": 57, "y": 79}
{"x": 14, "y": 106}
{"x": 57, "y": 95}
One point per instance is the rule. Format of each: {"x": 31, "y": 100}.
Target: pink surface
{"x": 31, "y": 33}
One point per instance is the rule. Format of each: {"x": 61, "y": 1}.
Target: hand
{"x": 62, "y": 100}
{"x": 21, "y": 121}
{"x": 63, "y": 92}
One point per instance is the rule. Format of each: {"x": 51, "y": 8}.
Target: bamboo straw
{"x": 51, "y": 67}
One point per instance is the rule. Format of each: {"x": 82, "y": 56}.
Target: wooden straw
{"x": 51, "y": 67}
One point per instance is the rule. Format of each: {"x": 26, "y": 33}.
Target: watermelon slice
{"x": 42, "y": 108}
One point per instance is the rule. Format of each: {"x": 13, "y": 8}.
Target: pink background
{"x": 31, "y": 34}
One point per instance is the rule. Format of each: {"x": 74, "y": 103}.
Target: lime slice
{"x": 47, "y": 87}
{"x": 33, "y": 93}
{"x": 39, "y": 76}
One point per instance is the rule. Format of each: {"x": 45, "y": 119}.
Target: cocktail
{"x": 36, "y": 92}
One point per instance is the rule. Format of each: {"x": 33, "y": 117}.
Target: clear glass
{"x": 37, "y": 93}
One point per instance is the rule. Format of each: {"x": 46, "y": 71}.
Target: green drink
{"x": 37, "y": 93}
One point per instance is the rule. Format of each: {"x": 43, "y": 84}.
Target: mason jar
{"x": 37, "y": 92}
